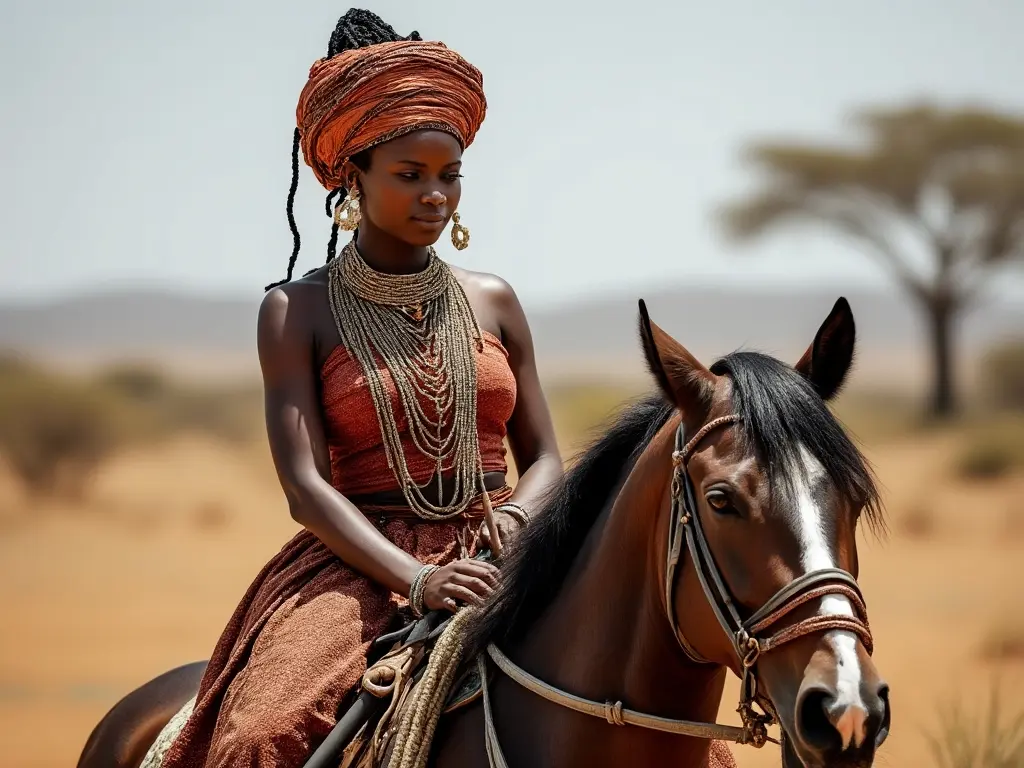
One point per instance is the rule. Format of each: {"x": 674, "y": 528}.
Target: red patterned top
{"x": 358, "y": 463}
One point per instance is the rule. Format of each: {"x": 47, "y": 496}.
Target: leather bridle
{"x": 747, "y": 636}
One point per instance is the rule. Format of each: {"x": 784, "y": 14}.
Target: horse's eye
{"x": 718, "y": 501}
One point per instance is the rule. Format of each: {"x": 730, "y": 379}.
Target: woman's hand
{"x": 467, "y": 581}
{"x": 508, "y": 528}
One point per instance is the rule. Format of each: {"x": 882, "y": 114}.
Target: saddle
{"x": 390, "y": 694}
{"x": 396, "y": 691}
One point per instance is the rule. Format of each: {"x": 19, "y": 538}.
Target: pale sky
{"x": 147, "y": 144}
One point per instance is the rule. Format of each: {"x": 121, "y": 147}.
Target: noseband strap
{"x": 747, "y": 636}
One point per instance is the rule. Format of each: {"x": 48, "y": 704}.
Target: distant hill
{"x": 891, "y": 334}
{"x": 216, "y": 336}
{"x": 191, "y": 333}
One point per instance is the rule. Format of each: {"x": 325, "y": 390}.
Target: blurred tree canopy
{"x": 935, "y": 196}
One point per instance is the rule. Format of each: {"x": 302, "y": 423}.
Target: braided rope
{"x": 419, "y": 719}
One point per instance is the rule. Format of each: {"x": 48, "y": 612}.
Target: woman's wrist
{"x": 405, "y": 575}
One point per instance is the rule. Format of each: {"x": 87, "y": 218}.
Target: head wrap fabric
{"x": 366, "y": 96}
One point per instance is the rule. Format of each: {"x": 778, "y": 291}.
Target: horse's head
{"x": 776, "y": 490}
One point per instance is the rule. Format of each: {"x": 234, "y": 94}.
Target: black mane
{"x": 780, "y": 411}
{"x": 538, "y": 563}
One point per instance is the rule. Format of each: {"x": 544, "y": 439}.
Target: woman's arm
{"x": 530, "y": 430}
{"x": 299, "y": 447}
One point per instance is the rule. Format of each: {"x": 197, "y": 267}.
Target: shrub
{"x": 230, "y": 413}
{"x": 985, "y": 461}
{"x": 993, "y": 449}
{"x": 1002, "y": 372}
{"x": 136, "y": 383}
{"x": 918, "y": 523}
{"x": 1004, "y": 641}
{"x": 54, "y": 431}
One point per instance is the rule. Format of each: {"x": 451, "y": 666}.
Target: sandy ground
{"x": 98, "y": 599}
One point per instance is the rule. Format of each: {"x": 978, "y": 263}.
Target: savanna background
{"x": 738, "y": 166}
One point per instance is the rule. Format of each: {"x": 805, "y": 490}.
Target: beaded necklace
{"x": 423, "y": 330}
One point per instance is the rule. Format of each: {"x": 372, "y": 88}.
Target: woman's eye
{"x": 453, "y": 177}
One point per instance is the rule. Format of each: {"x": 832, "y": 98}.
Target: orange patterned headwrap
{"x": 366, "y": 96}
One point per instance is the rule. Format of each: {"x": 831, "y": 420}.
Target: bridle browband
{"x": 746, "y": 635}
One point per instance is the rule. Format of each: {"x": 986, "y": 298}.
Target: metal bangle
{"x": 515, "y": 511}
{"x": 414, "y": 593}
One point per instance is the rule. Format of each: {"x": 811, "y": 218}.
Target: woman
{"x": 391, "y": 381}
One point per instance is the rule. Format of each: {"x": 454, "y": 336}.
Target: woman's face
{"x": 412, "y": 186}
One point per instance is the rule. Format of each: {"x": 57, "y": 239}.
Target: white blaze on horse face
{"x": 815, "y": 555}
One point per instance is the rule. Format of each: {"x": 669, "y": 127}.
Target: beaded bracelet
{"x": 515, "y": 511}
{"x": 417, "y": 588}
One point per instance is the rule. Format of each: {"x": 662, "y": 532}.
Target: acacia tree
{"x": 936, "y": 196}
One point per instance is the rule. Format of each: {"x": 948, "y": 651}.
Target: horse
{"x": 711, "y": 528}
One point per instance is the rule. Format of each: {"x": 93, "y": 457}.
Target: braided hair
{"x": 356, "y": 29}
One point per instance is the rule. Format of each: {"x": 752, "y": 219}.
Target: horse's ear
{"x": 685, "y": 382}
{"x": 827, "y": 361}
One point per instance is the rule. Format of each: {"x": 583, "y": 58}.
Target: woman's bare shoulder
{"x": 486, "y": 284}
{"x": 289, "y": 312}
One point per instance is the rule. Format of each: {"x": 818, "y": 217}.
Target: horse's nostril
{"x": 883, "y": 728}
{"x": 829, "y": 726}
{"x": 813, "y": 724}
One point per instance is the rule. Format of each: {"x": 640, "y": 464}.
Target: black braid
{"x": 332, "y": 244}
{"x": 290, "y": 210}
{"x": 356, "y": 29}
{"x": 330, "y": 198}
{"x": 359, "y": 28}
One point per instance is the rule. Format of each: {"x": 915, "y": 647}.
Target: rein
{"x": 747, "y": 636}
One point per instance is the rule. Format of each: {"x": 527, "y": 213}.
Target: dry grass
{"x": 579, "y": 411}
{"x": 991, "y": 739}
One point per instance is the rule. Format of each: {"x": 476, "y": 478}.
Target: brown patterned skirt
{"x": 295, "y": 649}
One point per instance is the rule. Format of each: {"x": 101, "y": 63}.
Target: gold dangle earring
{"x": 460, "y": 234}
{"x": 347, "y": 214}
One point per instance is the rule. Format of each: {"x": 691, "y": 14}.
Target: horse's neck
{"x": 607, "y": 635}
